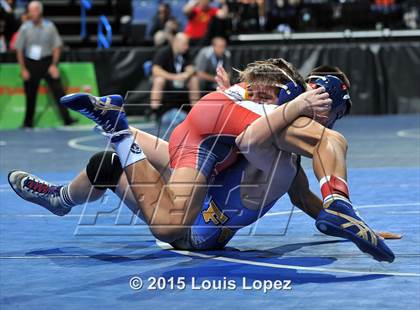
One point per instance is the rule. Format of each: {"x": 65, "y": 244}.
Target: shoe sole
{"x": 11, "y": 185}
{"x": 65, "y": 100}
{"x": 366, "y": 247}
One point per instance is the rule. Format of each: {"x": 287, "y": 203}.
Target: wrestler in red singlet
{"x": 205, "y": 140}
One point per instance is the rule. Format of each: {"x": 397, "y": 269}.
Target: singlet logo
{"x": 214, "y": 214}
{"x": 135, "y": 148}
{"x": 234, "y": 94}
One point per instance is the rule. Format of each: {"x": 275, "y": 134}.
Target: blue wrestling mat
{"x": 99, "y": 256}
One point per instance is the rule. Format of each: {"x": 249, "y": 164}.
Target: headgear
{"x": 339, "y": 94}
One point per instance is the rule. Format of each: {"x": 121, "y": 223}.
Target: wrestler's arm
{"x": 302, "y": 197}
{"x": 260, "y": 134}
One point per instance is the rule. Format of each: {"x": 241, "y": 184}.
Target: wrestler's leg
{"x": 308, "y": 138}
{"x": 170, "y": 208}
{"x": 328, "y": 150}
{"x": 91, "y": 183}
{"x": 165, "y": 206}
{"x": 82, "y": 190}
{"x": 184, "y": 192}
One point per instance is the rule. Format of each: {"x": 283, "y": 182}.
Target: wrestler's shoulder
{"x": 236, "y": 92}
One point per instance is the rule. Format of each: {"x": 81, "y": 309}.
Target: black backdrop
{"x": 385, "y": 76}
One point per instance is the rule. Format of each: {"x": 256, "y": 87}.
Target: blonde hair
{"x": 275, "y": 72}
{"x": 264, "y": 73}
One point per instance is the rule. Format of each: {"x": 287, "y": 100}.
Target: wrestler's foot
{"x": 107, "y": 112}
{"x": 339, "y": 219}
{"x": 35, "y": 190}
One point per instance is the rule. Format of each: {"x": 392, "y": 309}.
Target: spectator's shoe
{"x": 35, "y": 190}
{"x": 339, "y": 219}
{"x": 107, "y": 112}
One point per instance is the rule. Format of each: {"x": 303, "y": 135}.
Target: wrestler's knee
{"x": 168, "y": 233}
{"x": 104, "y": 170}
{"x": 337, "y": 139}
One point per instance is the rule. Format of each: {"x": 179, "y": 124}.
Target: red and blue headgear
{"x": 289, "y": 91}
{"x": 335, "y": 87}
{"x": 339, "y": 94}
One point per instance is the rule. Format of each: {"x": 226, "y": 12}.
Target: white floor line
{"x": 282, "y": 266}
{"x": 244, "y": 261}
{"x": 314, "y": 269}
{"x": 406, "y": 204}
{"x": 403, "y": 212}
{"x": 76, "y": 143}
{"x": 409, "y": 133}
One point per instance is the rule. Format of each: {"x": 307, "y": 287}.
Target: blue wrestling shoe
{"x": 35, "y": 190}
{"x": 107, "y": 112}
{"x": 339, "y": 219}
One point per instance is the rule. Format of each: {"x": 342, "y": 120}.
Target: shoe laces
{"x": 96, "y": 116}
{"x": 39, "y": 187}
{"x": 112, "y": 135}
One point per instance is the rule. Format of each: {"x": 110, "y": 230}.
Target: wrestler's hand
{"x": 222, "y": 79}
{"x": 315, "y": 103}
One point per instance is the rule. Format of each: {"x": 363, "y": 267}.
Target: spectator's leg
{"x": 157, "y": 92}
{"x": 31, "y": 90}
{"x": 58, "y": 92}
{"x": 194, "y": 87}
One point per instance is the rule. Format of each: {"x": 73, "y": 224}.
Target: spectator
{"x": 283, "y": 16}
{"x": 164, "y": 26}
{"x": 411, "y": 14}
{"x": 123, "y": 12}
{"x": 209, "y": 59}
{"x": 8, "y": 23}
{"x": 165, "y": 36}
{"x": 173, "y": 71}
{"x": 250, "y": 16}
{"x": 200, "y": 14}
{"x": 38, "y": 49}
{"x": 159, "y": 20}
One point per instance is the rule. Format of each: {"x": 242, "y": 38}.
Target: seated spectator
{"x": 159, "y": 20}
{"x": 209, "y": 59}
{"x": 9, "y": 24}
{"x": 165, "y": 36}
{"x": 172, "y": 70}
{"x": 200, "y": 14}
